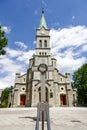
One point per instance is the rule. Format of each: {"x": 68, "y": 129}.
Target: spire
{"x": 43, "y": 21}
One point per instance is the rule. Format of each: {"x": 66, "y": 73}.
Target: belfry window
{"x": 39, "y": 53}
{"x": 45, "y": 43}
{"x": 40, "y": 43}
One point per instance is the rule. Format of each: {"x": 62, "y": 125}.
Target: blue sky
{"x": 67, "y": 21}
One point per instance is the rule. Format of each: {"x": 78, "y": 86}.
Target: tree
{"x": 80, "y": 83}
{"x": 5, "y": 95}
{"x": 3, "y": 42}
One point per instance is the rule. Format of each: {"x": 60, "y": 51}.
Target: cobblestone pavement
{"x": 61, "y": 119}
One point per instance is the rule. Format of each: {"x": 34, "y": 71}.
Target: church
{"x": 27, "y": 87}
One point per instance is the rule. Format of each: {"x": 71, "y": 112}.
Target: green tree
{"x": 80, "y": 83}
{"x": 3, "y": 42}
{"x": 5, "y": 95}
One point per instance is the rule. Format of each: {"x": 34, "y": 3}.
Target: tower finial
{"x": 42, "y": 10}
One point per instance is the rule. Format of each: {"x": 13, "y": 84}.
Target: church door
{"x": 22, "y": 100}
{"x": 62, "y": 99}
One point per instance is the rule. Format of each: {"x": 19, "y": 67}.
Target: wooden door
{"x": 22, "y": 100}
{"x": 62, "y": 99}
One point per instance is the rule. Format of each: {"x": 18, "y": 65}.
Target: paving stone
{"x": 60, "y": 118}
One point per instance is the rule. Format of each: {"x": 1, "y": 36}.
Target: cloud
{"x": 15, "y": 61}
{"x": 21, "y": 45}
{"x": 67, "y": 37}
{"x": 25, "y": 56}
{"x": 13, "y": 53}
{"x": 7, "y": 71}
{"x": 68, "y": 64}
{"x": 68, "y": 47}
{"x": 9, "y": 65}
{"x": 3, "y": 84}
{"x": 6, "y": 29}
{"x": 84, "y": 48}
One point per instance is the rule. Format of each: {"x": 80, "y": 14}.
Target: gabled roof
{"x": 43, "y": 21}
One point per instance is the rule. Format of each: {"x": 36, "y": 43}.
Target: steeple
{"x": 43, "y": 21}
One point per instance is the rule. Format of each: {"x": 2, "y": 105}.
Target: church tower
{"x": 42, "y": 38}
{"x": 42, "y": 55}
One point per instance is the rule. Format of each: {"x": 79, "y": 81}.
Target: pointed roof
{"x": 43, "y": 21}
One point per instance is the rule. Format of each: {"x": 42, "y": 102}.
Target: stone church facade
{"x": 27, "y": 87}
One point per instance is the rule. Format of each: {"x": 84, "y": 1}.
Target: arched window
{"x": 40, "y": 43}
{"x": 45, "y": 53}
{"x": 39, "y": 53}
{"x": 45, "y": 43}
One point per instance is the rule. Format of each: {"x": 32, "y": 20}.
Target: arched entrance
{"x": 22, "y": 99}
{"x": 46, "y": 90}
{"x": 63, "y": 99}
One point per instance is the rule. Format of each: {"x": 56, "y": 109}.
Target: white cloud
{"x": 13, "y": 53}
{"x": 84, "y": 48}
{"x": 3, "y": 84}
{"x": 15, "y": 61}
{"x": 68, "y": 46}
{"x": 7, "y": 29}
{"x": 25, "y": 56}
{"x": 68, "y": 64}
{"x": 7, "y": 71}
{"x": 21, "y": 45}
{"x": 67, "y": 37}
{"x": 9, "y": 65}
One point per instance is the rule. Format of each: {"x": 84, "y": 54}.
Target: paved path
{"x": 61, "y": 119}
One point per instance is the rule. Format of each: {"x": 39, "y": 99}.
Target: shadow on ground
{"x": 33, "y": 118}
